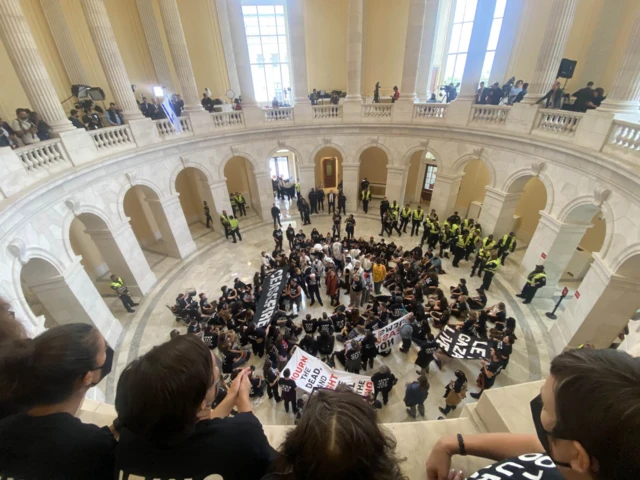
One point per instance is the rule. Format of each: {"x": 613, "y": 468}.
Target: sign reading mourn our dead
{"x": 459, "y": 345}
{"x": 272, "y": 287}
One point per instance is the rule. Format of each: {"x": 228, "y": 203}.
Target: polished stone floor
{"x": 218, "y": 261}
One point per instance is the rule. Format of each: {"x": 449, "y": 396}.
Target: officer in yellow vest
{"x": 490, "y": 269}
{"x": 434, "y": 234}
{"x": 234, "y": 228}
{"x": 297, "y": 185}
{"x": 394, "y": 220}
{"x": 535, "y": 280}
{"x": 224, "y": 220}
{"x": 468, "y": 223}
{"x": 455, "y": 228}
{"x": 488, "y": 243}
{"x": 460, "y": 247}
{"x": 445, "y": 240}
{"x": 506, "y": 246}
{"x": 405, "y": 215}
{"x": 118, "y": 286}
{"x": 365, "y": 196}
{"x": 241, "y": 204}
{"x": 474, "y": 239}
{"x": 234, "y": 204}
{"x": 418, "y": 215}
{"x": 395, "y": 208}
{"x": 482, "y": 258}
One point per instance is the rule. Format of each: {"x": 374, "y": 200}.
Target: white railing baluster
{"x": 112, "y": 139}
{"x": 557, "y": 122}
{"x": 41, "y": 156}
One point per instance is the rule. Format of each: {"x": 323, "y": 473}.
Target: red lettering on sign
{"x": 577, "y": 294}
{"x": 333, "y": 381}
{"x": 299, "y": 368}
{"x": 543, "y": 255}
{"x": 565, "y": 290}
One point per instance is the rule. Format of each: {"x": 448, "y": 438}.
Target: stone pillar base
{"x": 402, "y": 111}
{"x": 352, "y": 110}
{"x": 79, "y": 146}
{"x": 14, "y": 176}
{"x": 521, "y": 118}
{"x": 144, "y": 132}
{"x": 458, "y": 112}
{"x": 302, "y": 113}
{"x": 253, "y": 116}
{"x": 201, "y": 122}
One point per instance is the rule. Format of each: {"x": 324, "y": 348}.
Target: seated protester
{"x": 181, "y": 303}
{"x": 348, "y": 425}
{"x": 431, "y": 282}
{"x": 194, "y": 328}
{"x": 461, "y": 289}
{"x": 326, "y": 343}
{"x": 582, "y": 432}
{"x": 437, "y": 305}
{"x": 228, "y": 294}
{"x": 44, "y": 381}
{"x": 309, "y": 344}
{"x": 257, "y": 384}
{"x": 440, "y": 320}
{"x": 479, "y": 301}
{"x": 497, "y": 314}
{"x": 468, "y": 326}
{"x": 291, "y": 329}
{"x": 508, "y": 329}
{"x": 205, "y": 306}
{"x": 210, "y": 337}
{"x": 339, "y": 319}
{"x": 480, "y": 327}
{"x": 460, "y": 309}
{"x": 395, "y": 308}
{"x": 420, "y": 331}
{"x": 383, "y": 383}
{"x": 309, "y": 325}
{"x": 325, "y": 324}
{"x": 232, "y": 359}
{"x": 168, "y": 429}
{"x": 353, "y": 357}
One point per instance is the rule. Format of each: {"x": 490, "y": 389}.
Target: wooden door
{"x": 329, "y": 174}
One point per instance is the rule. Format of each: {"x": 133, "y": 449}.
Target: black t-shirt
{"x": 525, "y": 467}
{"x": 495, "y": 368}
{"x": 288, "y": 388}
{"x": 56, "y": 446}
{"x": 215, "y": 447}
{"x": 383, "y": 381}
{"x": 277, "y": 234}
{"x": 338, "y": 321}
{"x": 353, "y": 355}
{"x": 228, "y": 357}
{"x": 325, "y": 325}
{"x": 310, "y": 325}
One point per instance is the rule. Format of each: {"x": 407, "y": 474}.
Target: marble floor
{"x": 218, "y": 261}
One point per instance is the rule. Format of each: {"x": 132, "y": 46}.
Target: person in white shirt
{"x": 25, "y": 130}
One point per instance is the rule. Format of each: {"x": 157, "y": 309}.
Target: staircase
{"x": 503, "y": 409}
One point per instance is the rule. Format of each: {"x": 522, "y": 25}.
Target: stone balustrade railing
{"x": 377, "y": 110}
{"x": 166, "y": 128}
{"x": 422, "y": 111}
{"x": 227, "y": 119}
{"x": 113, "y": 138}
{"x": 326, "y": 112}
{"x": 557, "y": 122}
{"x": 43, "y": 155}
{"x": 624, "y": 137}
{"x": 280, "y": 114}
{"x": 493, "y": 114}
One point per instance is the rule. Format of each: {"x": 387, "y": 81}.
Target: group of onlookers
{"x": 27, "y": 128}
{"x": 511, "y": 92}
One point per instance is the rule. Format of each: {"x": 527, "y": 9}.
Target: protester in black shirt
{"x": 369, "y": 350}
{"x": 326, "y": 342}
{"x": 490, "y": 370}
{"x": 309, "y": 344}
{"x": 271, "y": 376}
{"x": 426, "y": 354}
{"x": 383, "y": 382}
{"x": 309, "y": 324}
{"x": 45, "y": 379}
{"x": 289, "y": 388}
{"x": 168, "y": 429}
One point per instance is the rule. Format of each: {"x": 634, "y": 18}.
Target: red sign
{"x": 565, "y": 290}
{"x": 577, "y": 294}
{"x": 543, "y": 255}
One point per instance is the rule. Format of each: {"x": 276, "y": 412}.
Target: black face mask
{"x": 105, "y": 368}
{"x": 543, "y": 435}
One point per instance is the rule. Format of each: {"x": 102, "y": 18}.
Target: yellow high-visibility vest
{"x": 233, "y": 224}
{"x": 406, "y": 212}
{"x": 418, "y": 214}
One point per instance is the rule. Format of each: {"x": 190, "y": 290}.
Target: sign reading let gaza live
{"x": 459, "y": 345}
{"x": 271, "y": 289}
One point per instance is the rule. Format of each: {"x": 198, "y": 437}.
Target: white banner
{"x": 310, "y": 372}
{"x": 171, "y": 115}
{"x": 388, "y": 336}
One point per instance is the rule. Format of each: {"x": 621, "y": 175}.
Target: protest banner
{"x": 272, "y": 288}
{"x": 310, "y": 372}
{"x": 459, "y": 345}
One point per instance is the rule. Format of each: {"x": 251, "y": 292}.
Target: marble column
{"x": 497, "y": 212}
{"x": 625, "y": 94}
{"x": 553, "y": 245}
{"x": 445, "y": 194}
{"x": 477, "y": 49}
{"x": 174, "y": 230}
{"x": 295, "y": 19}
{"x": 403, "y": 108}
{"x": 602, "y": 309}
{"x": 510, "y": 25}
{"x": 23, "y": 53}
{"x": 218, "y": 201}
{"x": 123, "y": 255}
{"x": 104, "y": 40}
{"x": 553, "y": 44}
{"x": 73, "y": 298}
{"x": 425, "y": 62}
{"x": 62, "y": 37}
{"x": 227, "y": 44}
{"x": 307, "y": 179}
{"x": 350, "y": 185}
{"x": 396, "y": 180}
{"x": 180, "y": 54}
{"x": 154, "y": 42}
{"x": 265, "y": 191}
{"x": 355, "y": 40}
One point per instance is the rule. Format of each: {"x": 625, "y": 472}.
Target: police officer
{"x": 460, "y": 247}
{"x": 395, "y": 209}
{"x": 275, "y": 213}
{"x": 351, "y": 227}
{"x": 445, "y": 240}
{"x": 425, "y": 231}
{"x": 234, "y": 204}
{"x": 331, "y": 202}
{"x": 488, "y": 243}
{"x": 224, "y": 220}
{"x": 305, "y": 211}
{"x": 234, "y": 228}
{"x": 365, "y": 196}
{"x": 320, "y": 197}
{"x": 117, "y": 285}
{"x": 386, "y": 224}
{"x": 384, "y": 206}
{"x": 313, "y": 201}
{"x": 418, "y": 215}
{"x": 482, "y": 258}
{"x": 207, "y": 214}
{"x": 535, "y": 280}
{"x": 297, "y": 187}
{"x": 434, "y": 233}
{"x": 506, "y": 246}
{"x": 394, "y": 220}
{"x": 342, "y": 203}
{"x": 490, "y": 269}
{"x": 405, "y": 215}
{"x": 471, "y": 244}
{"x": 455, "y": 218}
{"x": 241, "y": 203}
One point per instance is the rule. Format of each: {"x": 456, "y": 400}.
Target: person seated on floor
{"x": 309, "y": 344}
{"x": 326, "y": 343}
{"x": 205, "y": 306}
{"x": 459, "y": 308}
{"x": 468, "y": 326}
{"x": 167, "y": 426}
{"x": 478, "y": 301}
{"x": 496, "y": 314}
{"x": 460, "y": 289}
{"x": 501, "y": 329}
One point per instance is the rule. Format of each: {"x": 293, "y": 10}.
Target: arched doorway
{"x": 421, "y": 178}
{"x": 241, "y": 178}
{"x": 193, "y": 187}
{"x": 472, "y": 189}
{"x": 373, "y": 167}
{"x": 533, "y": 199}
{"x": 328, "y": 168}
{"x": 284, "y": 166}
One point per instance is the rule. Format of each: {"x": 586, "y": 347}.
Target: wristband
{"x": 463, "y": 451}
